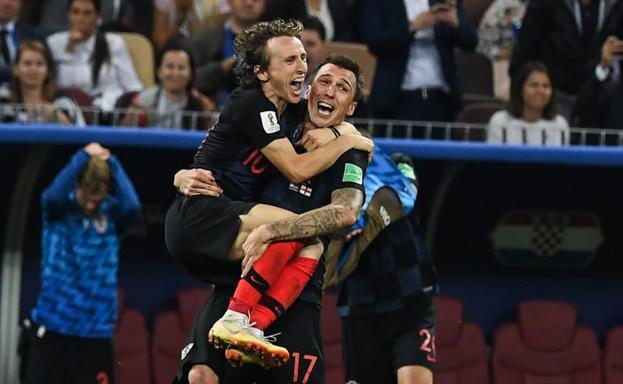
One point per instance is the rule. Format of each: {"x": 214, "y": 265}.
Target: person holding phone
{"x": 414, "y": 42}
{"x": 599, "y": 101}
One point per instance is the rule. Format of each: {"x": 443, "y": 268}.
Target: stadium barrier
{"x": 467, "y": 188}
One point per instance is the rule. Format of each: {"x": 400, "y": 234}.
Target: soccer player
{"x": 206, "y": 233}
{"x": 333, "y": 95}
{"x": 386, "y": 290}
{"x": 85, "y": 211}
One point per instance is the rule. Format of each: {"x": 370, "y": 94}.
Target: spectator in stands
{"x": 414, "y": 43}
{"x": 12, "y": 33}
{"x": 314, "y": 41}
{"x": 531, "y": 117}
{"x": 115, "y": 15}
{"x": 172, "y": 103}
{"x": 567, "y": 37}
{"x": 32, "y": 87}
{"x": 185, "y": 18}
{"x": 214, "y": 49}
{"x": 85, "y": 210}
{"x": 600, "y": 100}
{"x": 95, "y": 62}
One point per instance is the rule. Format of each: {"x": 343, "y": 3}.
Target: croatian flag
{"x": 547, "y": 239}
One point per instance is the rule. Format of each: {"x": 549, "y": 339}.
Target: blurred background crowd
{"x": 526, "y": 71}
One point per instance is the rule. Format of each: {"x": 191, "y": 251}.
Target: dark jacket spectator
{"x": 389, "y": 33}
{"x": 567, "y": 38}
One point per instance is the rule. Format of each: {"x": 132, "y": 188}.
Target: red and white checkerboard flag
{"x": 547, "y": 239}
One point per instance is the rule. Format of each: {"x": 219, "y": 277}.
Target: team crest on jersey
{"x": 186, "y": 349}
{"x": 269, "y": 121}
{"x": 100, "y": 223}
{"x": 303, "y": 189}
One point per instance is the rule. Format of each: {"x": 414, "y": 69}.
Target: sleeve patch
{"x": 269, "y": 121}
{"x": 352, "y": 174}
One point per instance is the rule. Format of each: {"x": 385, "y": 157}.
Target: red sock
{"x": 264, "y": 273}
{"x": 280, "y": 296}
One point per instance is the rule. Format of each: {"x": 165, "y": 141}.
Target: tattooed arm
{"x": 340, "y": 214}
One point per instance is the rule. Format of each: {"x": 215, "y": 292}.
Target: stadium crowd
{"x": 552, "y": 66}
{"x": 421, "y": 61}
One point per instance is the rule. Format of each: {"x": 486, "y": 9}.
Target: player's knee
{"x": 202, "y": 374}
{"x": 312, "y": 250}
{"x": 415, "y": 374}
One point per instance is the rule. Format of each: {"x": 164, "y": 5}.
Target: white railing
{"x": 399, "y": 129}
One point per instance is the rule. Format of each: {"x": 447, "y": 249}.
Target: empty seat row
{"x": 545, "y": 345}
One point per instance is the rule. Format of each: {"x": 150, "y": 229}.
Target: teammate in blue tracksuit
{"x": 85, "y": 211}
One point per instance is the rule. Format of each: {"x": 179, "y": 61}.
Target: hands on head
{"x": 96, "y": 150}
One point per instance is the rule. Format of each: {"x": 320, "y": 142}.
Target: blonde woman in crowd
{"x": 531, "y": 116}
{"x": 32, "y": 86}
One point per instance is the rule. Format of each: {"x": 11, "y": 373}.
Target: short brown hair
{"x": 250, "y": 47}
{"x": 95, "y": 178}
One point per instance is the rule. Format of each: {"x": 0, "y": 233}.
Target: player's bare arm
{"x": 340, "y": 214}
{"x": 300, "y": 167}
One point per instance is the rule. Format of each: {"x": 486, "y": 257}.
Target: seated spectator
{"x": 12, "y": 33}
{"x": 98, "y": 63}
{"x": 171, "y": 103}
{"x": 184, "y": 17}
{"x": 33, "y": 88}
{"x": 600, "y": 100}
{"x": 116, "y": 15}
{"x": 531, "y": 117}
{"x": 214, "y": 49}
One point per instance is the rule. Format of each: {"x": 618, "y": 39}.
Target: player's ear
{"x": 351, "y": 108}
{"x": 260, "y": 73}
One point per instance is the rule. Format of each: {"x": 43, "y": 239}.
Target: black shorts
{"x": 300, "y": 334}
{"x": 200, "y": 231}
{"x": 376, "y": 345}
{"x": 52, "y": 358}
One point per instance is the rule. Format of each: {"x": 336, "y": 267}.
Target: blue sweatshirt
{"x": 80, "y": 253}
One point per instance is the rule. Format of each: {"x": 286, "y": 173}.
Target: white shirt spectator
{"x": 73, "y": 69}
{"x": 505, "y": 128}
{"x": 424, "y": 64}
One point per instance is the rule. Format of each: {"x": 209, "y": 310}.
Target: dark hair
{"x": 250, "y": 47}
{"x": 101, "y": 51}
{"x": 48, "y": 90}
{"x": 347, "y": 63}
{"x": 177, "y": 44}
{"x": 314, "y": 24}
{"x": 516, "y": 102}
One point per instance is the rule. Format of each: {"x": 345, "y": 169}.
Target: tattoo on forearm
{"x": 321, "y": 221}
